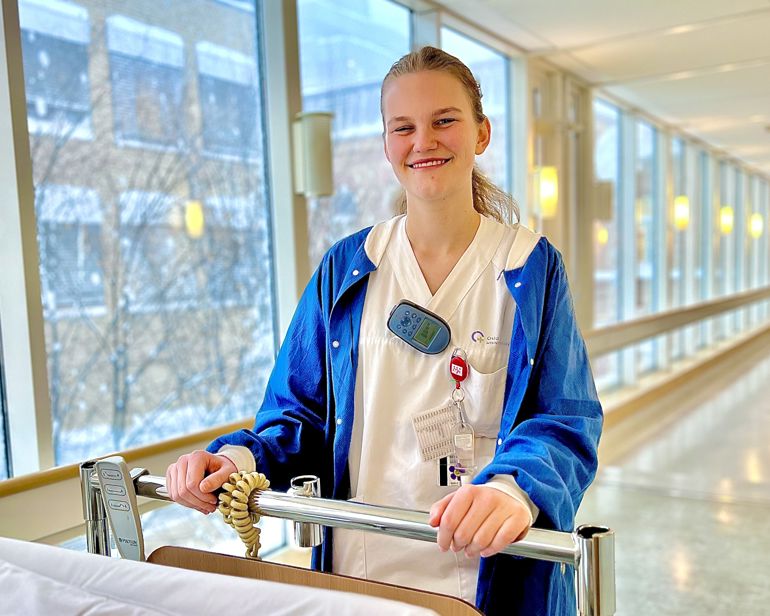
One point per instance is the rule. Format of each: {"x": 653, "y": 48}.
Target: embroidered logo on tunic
{"x": 478, "y": 337}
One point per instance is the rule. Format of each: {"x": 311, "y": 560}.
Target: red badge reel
{"x": 458, "y": 369}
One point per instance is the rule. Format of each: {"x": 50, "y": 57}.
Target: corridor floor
{"x": 691, "y": 508}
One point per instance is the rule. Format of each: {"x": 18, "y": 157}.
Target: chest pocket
{"x": 485, "y": 389}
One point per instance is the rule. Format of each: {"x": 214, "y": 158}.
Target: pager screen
{"x": 425, "y": 333}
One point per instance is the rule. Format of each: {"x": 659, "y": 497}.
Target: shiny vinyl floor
{"x": 691, "y": 508}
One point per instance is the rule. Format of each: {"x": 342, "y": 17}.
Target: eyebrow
{"x": 438, "y": 112}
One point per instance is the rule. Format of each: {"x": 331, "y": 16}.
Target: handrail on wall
{"x": 620, "y": 335}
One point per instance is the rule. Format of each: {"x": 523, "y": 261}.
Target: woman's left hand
{"x": 478, "y": 519}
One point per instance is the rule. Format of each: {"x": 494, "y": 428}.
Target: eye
{"x": 445, "y": 121}
{"x": 402, "y": 129}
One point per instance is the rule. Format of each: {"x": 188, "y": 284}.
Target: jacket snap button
{"x": 336, "y": 344}
{"x": 355, "y": 272}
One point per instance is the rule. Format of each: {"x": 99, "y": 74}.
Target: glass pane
{"x": 724, "y": 279}
{"x": 4, "y": 459}
{"x": 153, "y": 223}
{"x": 645, "y": 230}
{"x": 606, "y": 246}
{"x": 676, "y": 241}
{"x": 346, "y": 48}
{"x": 739, "y": 246}
{"x": 490, "y": 69}
{"x": 606, "y": 162}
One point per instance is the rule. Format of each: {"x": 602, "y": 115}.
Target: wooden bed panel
{"x": 211, "y": 562}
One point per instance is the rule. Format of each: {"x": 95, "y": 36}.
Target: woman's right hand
{"x": 194, "y": 477}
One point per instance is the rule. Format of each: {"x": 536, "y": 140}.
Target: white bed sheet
{"x": 40, "y": 579}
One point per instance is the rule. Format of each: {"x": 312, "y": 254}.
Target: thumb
{"x": 438, "y": 508}
{"x": 216, "y": 479}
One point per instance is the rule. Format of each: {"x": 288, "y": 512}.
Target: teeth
{"x": 432, "y": 163}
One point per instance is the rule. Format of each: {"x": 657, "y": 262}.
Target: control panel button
{"x": 109, "y": 473}
{"x": 118, "y": 505}
{"x": 115, "y": 490}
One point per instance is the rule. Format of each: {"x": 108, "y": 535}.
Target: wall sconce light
{"x": 726, "y": 219}
{"x": 194, "y": 219}
{"x": 681, "y": 212}
{"x": 547, "y": 184}
{"x": 602, "y": 235}
{"x": 756, "y": 226}
{"x": 312, "y": 134}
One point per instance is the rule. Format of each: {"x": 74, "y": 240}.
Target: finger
{"x": 196, "y": 469}
{"x": 513, "y": 529}
{"x": 452, "y": 516}
{"x": 438, "y": 508}
{"x": 185, "y": 496}
{"x": 170, "y": 487}
{"x": 467, "y": 528}
{"x": 220, "y": 475}
{"x": 485, "y": 533}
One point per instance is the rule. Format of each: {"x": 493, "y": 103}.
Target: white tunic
{"x": 394, "y": 381}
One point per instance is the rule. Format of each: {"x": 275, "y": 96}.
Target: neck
{"x": 440, "y": 229}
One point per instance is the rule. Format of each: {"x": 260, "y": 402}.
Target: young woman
{"x": 347, "y": 391}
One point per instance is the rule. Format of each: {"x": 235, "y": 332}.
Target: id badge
{"x": 435, "y": 431}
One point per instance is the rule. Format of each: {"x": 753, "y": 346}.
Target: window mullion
{"x": 289, "y": 210}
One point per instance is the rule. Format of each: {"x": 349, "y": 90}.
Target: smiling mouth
{"x": 426, "y": 164}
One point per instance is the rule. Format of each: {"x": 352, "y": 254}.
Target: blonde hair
{"x": 488, "y": 199}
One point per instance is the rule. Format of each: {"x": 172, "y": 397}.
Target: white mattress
{"x": 40, "y": 579}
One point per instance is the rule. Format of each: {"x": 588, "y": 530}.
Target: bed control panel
{"x": 119, "y": 496}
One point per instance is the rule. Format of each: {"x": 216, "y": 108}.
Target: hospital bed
{"x": 184, "y": 581}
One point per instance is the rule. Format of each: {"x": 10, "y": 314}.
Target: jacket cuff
{"x": 507, "y": 485}
{"x": 240, "y": 456}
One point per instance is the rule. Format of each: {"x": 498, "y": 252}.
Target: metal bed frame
{"x": 590, "y": 549}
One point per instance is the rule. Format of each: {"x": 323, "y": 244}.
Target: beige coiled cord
{"x": 234, "y": 507}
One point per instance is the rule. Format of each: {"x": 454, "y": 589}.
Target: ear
{"x": 485, "y": 134}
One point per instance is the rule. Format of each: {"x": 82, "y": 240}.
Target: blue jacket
{"x": 549, "y": 430}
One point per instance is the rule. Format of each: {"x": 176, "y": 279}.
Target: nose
{"x": 425, "y": 139}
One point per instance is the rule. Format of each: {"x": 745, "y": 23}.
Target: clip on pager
{"x": 419, "y": 328}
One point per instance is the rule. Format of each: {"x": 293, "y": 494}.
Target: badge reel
{"x": 445, "y": 435}
{"x": 462, "y": 463}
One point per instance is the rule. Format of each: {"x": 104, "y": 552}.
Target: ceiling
{"x": 702, "y": 66}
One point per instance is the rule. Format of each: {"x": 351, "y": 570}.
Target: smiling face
{"x": 431, "y": 135}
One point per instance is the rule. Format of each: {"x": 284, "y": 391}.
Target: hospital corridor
{"x": 385, "y": 307}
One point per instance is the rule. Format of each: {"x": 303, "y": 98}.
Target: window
{"x": 606, "y": 169}
{"x": 55, "y": 36}
{"x": 764, "y": 243}
{"x": 236, "y": 252}
{"x": 146, "y": 77}
{"x": 160, "y": 269}
{"x": 4, "y": 457}
{"x": 156, "y": 263}
{"x": 229, "y": 100}
{"x": 644, "y": 249}
{"x": 678, "y": 223}
{"x": 606, "y": 230}
{"x": 490, "y": 69}
{"x": 346, "y": 48}
{"x": 69, "y": 234}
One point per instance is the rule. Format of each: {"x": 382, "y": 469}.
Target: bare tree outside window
{"x": 153, "y": 223}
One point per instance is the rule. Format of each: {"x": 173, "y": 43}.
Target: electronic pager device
{"x": 419, "y": 328}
